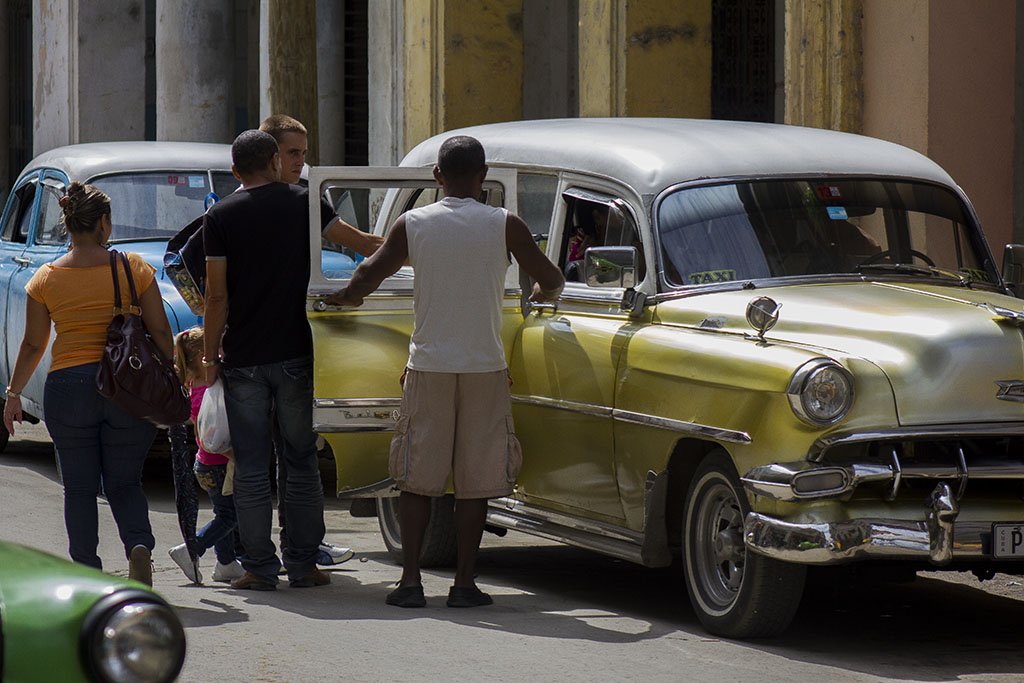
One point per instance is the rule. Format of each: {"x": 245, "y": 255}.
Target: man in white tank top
{"x": 456, "y": 415}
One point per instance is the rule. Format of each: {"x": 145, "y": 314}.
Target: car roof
{"x": 650, "y": 154}
{"x": 85, "y": 161}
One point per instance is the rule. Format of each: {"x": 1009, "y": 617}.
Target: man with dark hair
{"x": 292, "y": 140}
{"x": 256, "y": 328}
{"x": 456, "y": 410}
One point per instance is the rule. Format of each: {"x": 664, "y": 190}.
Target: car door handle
{"x": 546, "y": 306}
{"x": 21, "y": 260}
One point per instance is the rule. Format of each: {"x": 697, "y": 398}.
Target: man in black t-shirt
{"x": 258, "y": 340}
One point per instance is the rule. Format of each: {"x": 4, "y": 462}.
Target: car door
{"x": 47, "y": 240}
{"x": 565, "y": 363}
{"x": 18, "y": 216}
{"x": 359, "y": 354}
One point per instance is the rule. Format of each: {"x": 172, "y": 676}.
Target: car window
{"x": 20, "y": 218}
{"x": 536, "y": 201}
{"x": 154, "y": 205}
{"x": 224, "y": 183}
{"x": 51, "y": 226}
{"x": 764, "y": 229}
{"x": 595, "y": 220}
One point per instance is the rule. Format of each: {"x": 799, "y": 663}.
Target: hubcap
{"x": 718, "y": 545}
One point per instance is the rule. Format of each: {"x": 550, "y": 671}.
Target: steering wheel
{"x": 875, "y": 258}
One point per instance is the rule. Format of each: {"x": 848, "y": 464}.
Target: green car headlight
{"x": 821, "y": 392}
{"x": 133, "y": 636}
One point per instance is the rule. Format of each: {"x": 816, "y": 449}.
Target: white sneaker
{"x": 190, "y": 569}
{"x": 228, "y": 572}
{"x": 333, "y": 554}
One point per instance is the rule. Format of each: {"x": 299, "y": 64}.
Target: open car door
{"x": 360, "y": 353}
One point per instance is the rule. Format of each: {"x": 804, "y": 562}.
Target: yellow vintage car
{"x": 778, "y": 347}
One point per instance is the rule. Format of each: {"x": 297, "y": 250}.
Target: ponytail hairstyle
{"x": 188, "y": 354}
{"x": 83, "y": 207}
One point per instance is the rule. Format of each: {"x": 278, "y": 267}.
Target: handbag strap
{"x": 135, "y": 307}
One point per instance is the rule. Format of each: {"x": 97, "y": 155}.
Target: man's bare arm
{"x": 386, "y": 261}
{"x": 215, "y": 314}
{"x": 351, "y": 237}
{"x": 547, "y": 277}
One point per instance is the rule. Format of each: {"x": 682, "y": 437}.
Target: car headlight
{"x": 821, "y": 392}
{"x": 133, "y": 636}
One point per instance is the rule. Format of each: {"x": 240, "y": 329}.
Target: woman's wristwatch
{"x": 11, "y": 394}
{"x": 210, "y": 363}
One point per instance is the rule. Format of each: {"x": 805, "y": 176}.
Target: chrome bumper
{"x": 860, "y": 539}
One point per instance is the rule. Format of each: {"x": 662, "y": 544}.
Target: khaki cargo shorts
{"x": 458, "y": 425}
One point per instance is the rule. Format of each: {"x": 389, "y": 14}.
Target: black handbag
{"x": 133, "y": 373}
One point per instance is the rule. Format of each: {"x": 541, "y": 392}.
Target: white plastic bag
{"x": 212, "y": 420}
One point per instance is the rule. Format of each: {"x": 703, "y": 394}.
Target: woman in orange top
{"x": 94, "y": 439}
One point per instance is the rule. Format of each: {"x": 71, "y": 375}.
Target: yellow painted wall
{"x": 645, "y": 58}
{"x": 463, "y": 65}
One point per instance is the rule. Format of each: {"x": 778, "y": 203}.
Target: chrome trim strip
{"x": 601, "y": 537}
{"x": 978, "y": 429}
{"x": 936, "y": 538}
{"x": 369, "y": 491}
{"x": 631, "y": 417}
{"x": 345, "y": 415}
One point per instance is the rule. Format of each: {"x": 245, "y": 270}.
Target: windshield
{"x": 146, "y": 206}
{"x": 783, "y": 228}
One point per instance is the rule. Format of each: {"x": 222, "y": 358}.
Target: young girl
{"x": 211, "y": 471}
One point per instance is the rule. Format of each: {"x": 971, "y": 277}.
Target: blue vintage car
{"x": 156, "y": 188}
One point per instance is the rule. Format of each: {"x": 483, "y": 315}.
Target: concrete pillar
{"x": 463, "y": 65}
{"x": 111, "y": 81}
{"x": 194, "y": 54}
{"x": 288, "y": 68}
{"x": 550, "y": 59}
{"x": 5, "y": 106}
{"x": 824, "y": 58}
{"x": 330, "y": 65}
{"x": 54, "y": 66}
{"x": 645, "y": 58}
{"x": 386, "y": 83}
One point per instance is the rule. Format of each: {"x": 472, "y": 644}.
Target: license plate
{"x": 1008, "y": 541}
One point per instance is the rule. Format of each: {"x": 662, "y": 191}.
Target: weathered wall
{"x": 896, "y": 39}
{"x": 330, "y": 84}
{"x": 386, "y": 85}
{"x": 111, "y": 70}
{"x": 194, "y": 54}
{"x": 971, "y": 107}
{"x": 54, "y": 101}
{"x": 645, "y": 58}
{"x": 291, "y": 47}
{"x": 550, "y": 61}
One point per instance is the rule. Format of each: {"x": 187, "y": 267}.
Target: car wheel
{"x": 735, "y": 592}
{"x": 439, "y": 544}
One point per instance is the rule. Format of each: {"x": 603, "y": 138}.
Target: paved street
{"x": 560, "y": 614}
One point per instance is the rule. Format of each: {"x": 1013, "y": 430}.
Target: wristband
{"x": 210, "y": 363}
{"x": 11, "y": 394}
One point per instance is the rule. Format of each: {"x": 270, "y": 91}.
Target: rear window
{"x": 156, "y": 205}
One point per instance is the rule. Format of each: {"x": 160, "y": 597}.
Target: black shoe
{"x": 468, "y": 596}
{"x": 249, "y": 581}
{"x": 314, "y": 578}
{"x": 407, "y": 596}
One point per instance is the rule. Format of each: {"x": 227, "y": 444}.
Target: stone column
{"x": 330, "y": 70}
{"x": 288, "y": 68}
{"x": 645, "y": 58}
{"x": 824, "y": 64}
{"x": 463, "y": 65}
{"x": 5, "y": 106}
{"x": 550, "y": 59}
{"x": 386, "y": 78}
{"x": 194, "y": 57}
{"x": 54, "y": 68}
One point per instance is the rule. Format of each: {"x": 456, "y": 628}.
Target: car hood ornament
{"x": 762, "y": 314}
{"x": 1010, "y": 390}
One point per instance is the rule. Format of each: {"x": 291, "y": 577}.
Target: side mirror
{"x": 612, "y": 267}
{"x": 1013, "y": 268}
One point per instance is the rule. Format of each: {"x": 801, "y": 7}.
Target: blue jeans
{"x": 97, "y": 441}
{"x": 250, "y": 394}
{"x": 217, "y": 532}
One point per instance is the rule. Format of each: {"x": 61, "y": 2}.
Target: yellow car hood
{"x": 942, "y": 348}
